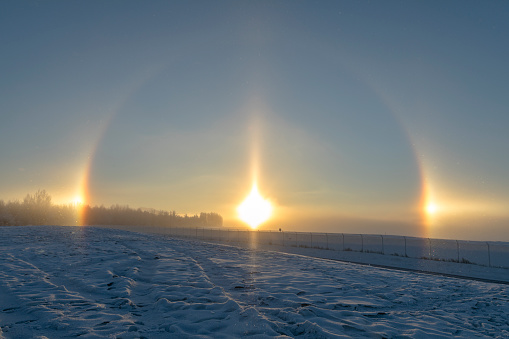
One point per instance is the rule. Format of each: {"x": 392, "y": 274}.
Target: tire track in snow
{"x": 344, "y": 301}
{"x": 203, "y": 289}
{"x": 184, "y": 287}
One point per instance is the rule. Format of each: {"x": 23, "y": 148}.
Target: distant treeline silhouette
{"x": 37, "y": 209}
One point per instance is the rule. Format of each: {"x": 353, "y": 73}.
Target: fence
{"x": 492, "y": 254}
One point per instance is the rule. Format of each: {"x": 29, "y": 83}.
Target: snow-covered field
{"x": 61, "y": 282}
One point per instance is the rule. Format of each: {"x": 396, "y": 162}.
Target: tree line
{"x": 37, "y": 209}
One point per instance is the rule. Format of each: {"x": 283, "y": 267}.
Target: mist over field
{"x": 347, "y": 117}
{"x": 37, "y": 209}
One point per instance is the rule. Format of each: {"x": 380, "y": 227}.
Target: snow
{"x": 89, "y": 282}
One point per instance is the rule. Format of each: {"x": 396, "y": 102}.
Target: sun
{"x": 254, "y": 210}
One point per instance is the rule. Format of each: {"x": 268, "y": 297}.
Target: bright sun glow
{"x": 77, "y": 200}
{"x": 432, "y": 208}
{"x": 254, "y": 210}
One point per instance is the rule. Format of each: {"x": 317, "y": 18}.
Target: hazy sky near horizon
{"x": 354, "y": 115}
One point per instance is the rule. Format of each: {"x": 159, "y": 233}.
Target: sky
{"x": 352, "y": 116}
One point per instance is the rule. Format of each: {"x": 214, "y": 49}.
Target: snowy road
{"x": 63, "y": 282}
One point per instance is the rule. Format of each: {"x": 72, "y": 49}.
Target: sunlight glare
{"x": 432, "y": 208}
{"x": 77, "y": 201}
{"x": 254, "y": 210}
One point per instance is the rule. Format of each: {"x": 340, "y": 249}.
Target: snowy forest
{"x": 38, "y": 209}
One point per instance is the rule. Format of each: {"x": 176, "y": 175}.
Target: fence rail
{"x": 485, "y": 253}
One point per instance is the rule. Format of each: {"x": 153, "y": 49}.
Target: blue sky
{"x": 355, "y": 115}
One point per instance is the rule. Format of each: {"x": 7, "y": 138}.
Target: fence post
{"x": 489, "y": 254}
{"x": 429, "y": 241}
{"x": 362, "y": 244}
{"x": 383, "y": 251}
{"x": 343, "y": 235}
{"x": 458, "y": 247}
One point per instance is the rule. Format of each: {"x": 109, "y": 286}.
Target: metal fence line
{"x": 485, "y": 253}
